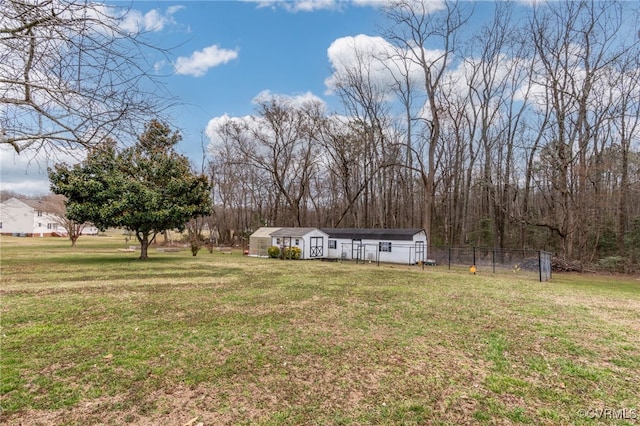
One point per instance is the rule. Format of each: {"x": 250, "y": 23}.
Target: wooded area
{"x": 521, "y": 132}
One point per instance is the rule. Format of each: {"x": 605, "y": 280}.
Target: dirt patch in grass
{"x": 300, "y": 390}
{"x": 624, "y": 312}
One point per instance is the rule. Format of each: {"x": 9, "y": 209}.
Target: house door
{"x": 317, "y": 245}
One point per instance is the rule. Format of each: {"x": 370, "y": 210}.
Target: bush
{"x": 292, "y": 253}
{"x": 273, "y": 252}
{"x": 612, "y": 263}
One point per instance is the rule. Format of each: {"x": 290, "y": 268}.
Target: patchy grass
{"x": 91, "y": 335}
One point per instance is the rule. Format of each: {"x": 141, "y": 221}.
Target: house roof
{"x": 29, "y": 203}
{"x": 372, "y": 233}
{"x": 34, "y": 204}
{"x": 264, "y": 232}
{"x": 293, "y": 232}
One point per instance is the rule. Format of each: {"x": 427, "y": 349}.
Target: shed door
{"x": 317, "y": 245}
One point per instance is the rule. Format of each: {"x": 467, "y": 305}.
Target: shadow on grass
{"x": 116, "y": 260}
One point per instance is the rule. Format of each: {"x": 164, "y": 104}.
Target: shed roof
{"x": 372, "y": 233}
{"x": 293, "y": 232}
{"x": 264, "y": 232}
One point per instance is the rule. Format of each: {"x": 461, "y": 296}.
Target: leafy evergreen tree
{"x": 146, "y": 188}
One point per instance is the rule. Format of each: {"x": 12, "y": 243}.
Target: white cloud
{"x": 26, "y": 173}
{"x": 200, "y": 61}
{"x": 299, "y": 5}
{"x": 296, "y": 101}
{"x": 158, "y": 66}
{"x": 215, "y": 129}
{"x": 134, "y": 21}
{"x": 311, "y": 5}
{"x": 254, "y": 124}
{"x": 314, "y": 5}
{"x": 173, "y": 9}
{"x": 371, "y": 58}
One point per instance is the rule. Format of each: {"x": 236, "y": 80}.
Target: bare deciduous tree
{"x": 55, "y": 205}
{"x": 70, "y": 74}
{"x": 416, "y": 27}
{"x": 577, "y": 46}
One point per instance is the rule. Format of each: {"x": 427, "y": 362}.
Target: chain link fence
{"x": 535, "y": 263}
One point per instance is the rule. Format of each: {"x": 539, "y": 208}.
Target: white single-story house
{"x": 378, "y": 245}
{"x": 375, "y": 245}
{"x": 312, "y": 242}
{"x": 28, "y": 218}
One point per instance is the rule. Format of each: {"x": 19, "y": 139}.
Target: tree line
{"x": 509, "y": 130}
{"x": 521, "y": 133}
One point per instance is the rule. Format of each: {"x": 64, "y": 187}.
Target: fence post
{"x": 474, "y": 255}
{"x": 493, "y": 255}
{"x": 540, "y": 265}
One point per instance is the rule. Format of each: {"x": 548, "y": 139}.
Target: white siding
{"x": 408, "y": 251}
{"x": 44, "y": 224}
{"x": 308, "y": 243}
{"x": 20, "y": 218}
{"x": 402, "y": 251}
{"x": 16, "y": 217}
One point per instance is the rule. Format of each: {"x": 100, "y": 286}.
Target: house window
{"x": 278, "y": 241}
{"x": 333, "y": 244}
{"x": 297, "y": 241}
{"x": 39, "y": 213}
{"x": 384, "y": 246}
{"x": 39, "y": 225}
{"x": 0, "y": 225}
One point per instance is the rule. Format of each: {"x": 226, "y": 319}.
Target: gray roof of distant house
{"x": 372, "y": 233}
{"x": 292, "y": 232}
{"x": 34, "y": 204}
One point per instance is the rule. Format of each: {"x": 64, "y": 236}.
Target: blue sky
{"x": 225, "y": 53}
{"x": 274, "y": 48}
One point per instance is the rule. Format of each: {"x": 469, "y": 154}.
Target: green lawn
{"x": 91, "y": 335}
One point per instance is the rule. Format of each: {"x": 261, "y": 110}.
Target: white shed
{"x": 312, "y": 242}
{"x": 378, "y": 245}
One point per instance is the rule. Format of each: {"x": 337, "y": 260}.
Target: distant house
{"x": 383, "y": 245}
{"x": 27, "y": 218}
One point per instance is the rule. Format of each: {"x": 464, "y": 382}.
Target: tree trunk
{"x": 143, "y": 239}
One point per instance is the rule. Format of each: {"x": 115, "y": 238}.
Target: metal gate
{"x": 357, "y": 250}
{"x": 420, "y": 257}
{"x": 544, "y": 263}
